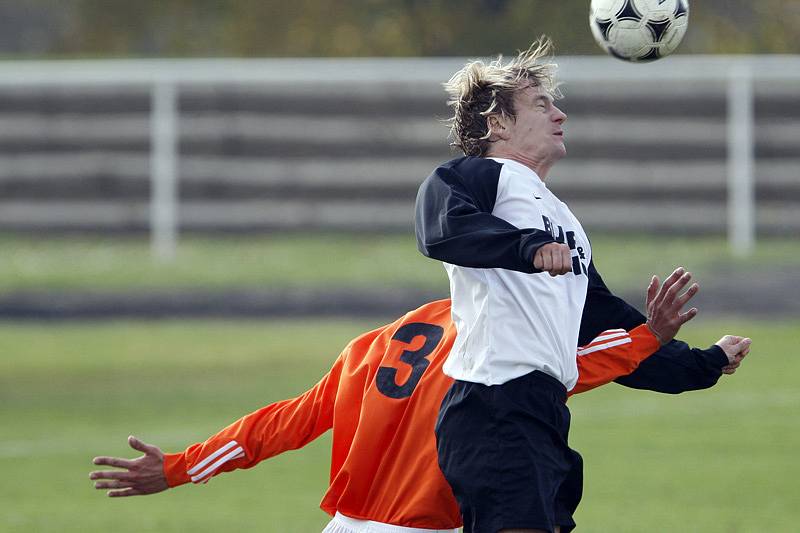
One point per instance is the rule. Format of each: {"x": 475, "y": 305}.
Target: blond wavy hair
{"x": 480, "y": 89}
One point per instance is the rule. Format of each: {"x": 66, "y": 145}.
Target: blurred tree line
{"x": 270, "y": 28}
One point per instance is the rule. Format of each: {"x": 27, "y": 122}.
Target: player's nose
{"x": 560, "y": 116}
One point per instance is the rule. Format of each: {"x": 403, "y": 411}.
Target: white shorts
{"x": 344, "y": 524}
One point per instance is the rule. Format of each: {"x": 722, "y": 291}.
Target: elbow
{"x": 423, "y": 246}
{"x": 426, "y": 245}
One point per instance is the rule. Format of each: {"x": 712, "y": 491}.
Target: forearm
{"x": 611, "y": 355}
{"x": 674, "y": 368}
{"x": 269, "y": 431}
{"x": 488, "y": 247}
{"x": 677, "y": 368}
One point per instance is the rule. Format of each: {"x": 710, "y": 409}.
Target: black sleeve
{"x": 454, "y": 221}
{"x": 674, "y": 368}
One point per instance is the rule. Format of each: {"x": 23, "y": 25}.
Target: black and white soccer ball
{"x": 639, "y": 30}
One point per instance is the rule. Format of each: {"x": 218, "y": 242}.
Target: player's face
{"x": 537, "y": 133}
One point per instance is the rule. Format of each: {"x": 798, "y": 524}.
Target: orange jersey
{"x": 382, "y": 398}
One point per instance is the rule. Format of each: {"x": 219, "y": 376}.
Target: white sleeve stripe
{"x": 598, "y": 347}
{"x": 605, "y": 336}
{"x": 202, "y": 464}
{"x": 233, "y": 454}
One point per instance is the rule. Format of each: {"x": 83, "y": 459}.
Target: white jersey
{"x": 493, "y": 214}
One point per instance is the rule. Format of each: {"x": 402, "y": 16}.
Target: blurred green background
{"x": 714, "y": 461}
{"x": 363, "y": 262}
{"x": 255, "y": 28}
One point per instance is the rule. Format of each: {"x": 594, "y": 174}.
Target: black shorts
{"x": 503, "y": 449}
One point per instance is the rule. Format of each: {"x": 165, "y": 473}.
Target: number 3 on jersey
{"x": 386, "y": 377}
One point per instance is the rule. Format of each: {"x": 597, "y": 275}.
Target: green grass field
{"x": 626, "y": 261}
{"x": 714, "y": 461}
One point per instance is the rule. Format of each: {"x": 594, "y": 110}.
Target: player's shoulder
{"x": 372, "y": 344}
{"x": 477, "y": 177}
{"x": 471, "y": 165}
{"x": 470, "y": 169}
{"x": 436, "y": 312}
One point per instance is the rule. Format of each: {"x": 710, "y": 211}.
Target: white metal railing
{"x": 164, "y": 155}
{"x": 164, "y": 77}
{"x": 741, "y": 161}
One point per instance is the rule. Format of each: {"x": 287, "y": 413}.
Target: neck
{"x": 540, "y": 167}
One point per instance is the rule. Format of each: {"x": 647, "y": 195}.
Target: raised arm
{"x": 617, "y": 352}
{"x": 674, "y": 368}
{"x": 454, "y": 221}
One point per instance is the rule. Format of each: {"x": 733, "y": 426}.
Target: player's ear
{"x": 498, "y": 127}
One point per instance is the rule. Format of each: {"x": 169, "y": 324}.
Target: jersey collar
{"x": 519, "y": 168}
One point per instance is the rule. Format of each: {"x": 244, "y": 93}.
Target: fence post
{"x": 741, "y": 161}
{"x": 163, "y": 170}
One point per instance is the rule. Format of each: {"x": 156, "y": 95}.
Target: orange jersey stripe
{"x": 382, "y": 398}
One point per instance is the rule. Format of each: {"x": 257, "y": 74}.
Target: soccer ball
{"x": 639, "y": 30}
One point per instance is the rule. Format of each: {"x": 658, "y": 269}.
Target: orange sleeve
{"x": 612, "y": 354}
{"x": 278, "y": 427}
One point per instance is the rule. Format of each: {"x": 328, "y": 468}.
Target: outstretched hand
{"x": 144, "y": 475}
{"x": 736, "y": 348}
{"x": 664, "y": 304}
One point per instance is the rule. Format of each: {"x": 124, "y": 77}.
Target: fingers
{"x": 538, "y": 260}
{"x": 746, "y": 351}
{"x": 124, "y": 492}
{"x": 681, "y": 300}
{"x": 136, "y": 444}
{"x": 542, "y": 260}
{"x": 669, "y": 282}
{"x": 552, "y": 262}
{"x": 726, "y": 341}
{"x": 553, "y": 258}
{"x": 114, "y": 461}
{"x": 562, "y": 261}
{"x": 144, "y": 475}
{"x": 662, "y": 290}
{"x": 731, "y": 368}
{"x": 114, "y": 484}
{"x": 668, "y": 300}
{"x": 743, "y": 345}
{"x": 652, "y": 291}
{"x": 111, "y": 474}
{"x": 734, "y": 344}
{"x": 736, "y": 360}
{"x": 736, "y": 348}
{"x": 683, "y": 318}
{"x": 676, "y": 274}
{"x": 742, "y": 348}
{"x": 672, "y": 289}
{"x": 664, "y": 308}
